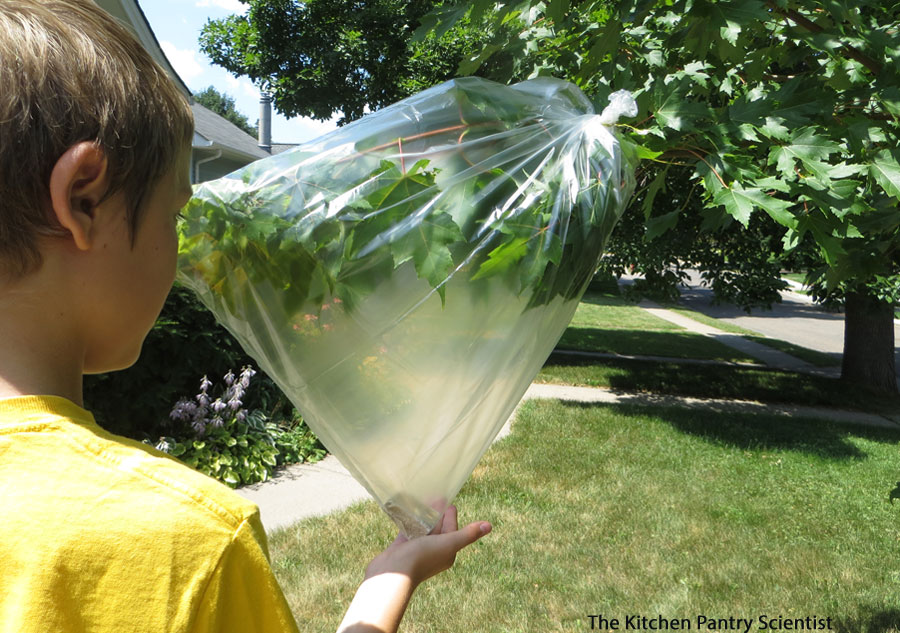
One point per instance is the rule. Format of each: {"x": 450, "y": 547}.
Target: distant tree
{"x": 321, "y": 57}
{"x": 223, "y": 105}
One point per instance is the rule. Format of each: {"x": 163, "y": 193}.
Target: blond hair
{"x": 69, "y": 72}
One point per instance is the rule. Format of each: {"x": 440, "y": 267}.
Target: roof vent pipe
{"x": 265, "y": 121}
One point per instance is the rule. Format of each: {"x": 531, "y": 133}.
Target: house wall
{"x": 215, "y": 168}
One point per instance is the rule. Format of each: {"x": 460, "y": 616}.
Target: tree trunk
{"x": 869, "y": 343}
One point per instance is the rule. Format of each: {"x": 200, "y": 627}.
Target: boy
{"x": 101, "y": 533}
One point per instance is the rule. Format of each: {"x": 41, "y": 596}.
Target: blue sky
{"x": 177, "y": 25}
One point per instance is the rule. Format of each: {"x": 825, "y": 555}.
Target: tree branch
{"x": 851, "y": 52}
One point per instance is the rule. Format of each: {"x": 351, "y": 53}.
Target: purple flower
{"x": 237, "y": 391}
{"x": 217, "y": 422}
{"x": 241, "y": 416}
{"x": 234, "y": 403}
{"x": 203, "y": 400}
{"x": 199, "y": 426}
{"x": 218, "y": 406}
{"x": 180, "y": 411}
{"x": 229, "y": 378}
{"x": 205, "y": 384}
{"x": 246, "y": 374}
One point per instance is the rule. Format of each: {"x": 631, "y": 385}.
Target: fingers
{"x": 449, "y": 522}
{"x": 459, "y": 539}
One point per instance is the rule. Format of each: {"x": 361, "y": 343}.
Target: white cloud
{"x": 229, "y": 5}
{"x": 245, "y": 86}
{"x": 185, "y": 62}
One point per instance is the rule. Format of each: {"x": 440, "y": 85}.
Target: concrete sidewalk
{"x": 769, "y": 356}
{"x": 307, "y": 490}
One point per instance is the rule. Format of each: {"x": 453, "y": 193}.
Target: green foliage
{"x": 295, "y": 442}
{"x": 223, "y": 105}
{"x": 245, "y": 453}
{"x": 778, "y": 109}
{"x": 237, "y": 453}
{"x": 244, "y": 246}
{"x": 321, "y": 57}
{"x": 741, "y": 264}
{"x": 219, "y": 437}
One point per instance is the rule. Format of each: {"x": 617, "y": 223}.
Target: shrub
{"x": 185, "y": 342}
{"x": 218, "y": 436}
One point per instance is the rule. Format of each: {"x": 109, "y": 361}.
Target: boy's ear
{"x": 78, "y": 183}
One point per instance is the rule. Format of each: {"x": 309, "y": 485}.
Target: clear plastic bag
{"x": 404, "y": 277}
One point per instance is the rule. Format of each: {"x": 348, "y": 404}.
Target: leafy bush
{"x": 185, "y": 342}
{"x": 219, "y": 437}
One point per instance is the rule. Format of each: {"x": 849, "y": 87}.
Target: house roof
{"x": 277, "y": 148}
{"x": 129, "y": 13}
{"x": 212, "y": 131}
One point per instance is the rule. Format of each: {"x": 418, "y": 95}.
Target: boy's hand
{"x": 394, "y": 574}
{"x": 422, "y": 558}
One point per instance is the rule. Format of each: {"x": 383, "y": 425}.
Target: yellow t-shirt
{"x": 99, "y": 533}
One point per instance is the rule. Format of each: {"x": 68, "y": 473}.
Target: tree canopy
{"x": 224, "y": 105}
{"x": 781, "y": 109}
{"x": 322, "y": 57}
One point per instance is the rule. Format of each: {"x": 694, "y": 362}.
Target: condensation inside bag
{"x": 404, "y": 277}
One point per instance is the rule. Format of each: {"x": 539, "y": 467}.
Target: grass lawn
{"x": 621, "y": 510}
{"x": 606, "y": 323}
{"x": 714, "y": 381}
{"x": 800, "y": 278}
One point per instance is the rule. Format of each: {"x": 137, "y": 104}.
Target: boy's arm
{"x": 391, "y": 578}
{"x": 378, "y": 605}
{"x": 243, "y": 596}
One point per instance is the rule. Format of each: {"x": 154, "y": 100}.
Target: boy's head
{"x": 70, "y": 73}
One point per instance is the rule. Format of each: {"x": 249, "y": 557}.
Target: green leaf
{"x": 740, "y": 203}
{"x": 885, "y": 169}
{"x": 556, "y": 9}
{"x": 440, "y": 21}
{"x": 231, "y": 477}
{"x": 502, "y": 258}
{"x": 890, "y": 99}
{"x": 774, "y": 127}
{"x": 656, "y": 226}
{"x": 473, "y": 63}
{"x": 805, "y": 146}
{"x": 427, "y": 245}
{"x": 658, "y": 184}
{"x": 680, "y": 112}
{"x": 545, "y": 248}
{"x": 644, "y": 153}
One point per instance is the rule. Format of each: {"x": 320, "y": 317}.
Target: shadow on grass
{"x": 679, "y": 344}
{"x": 718, "y": 381}
{"x": 872, "y": 620}
{"x": 759, "y": 432}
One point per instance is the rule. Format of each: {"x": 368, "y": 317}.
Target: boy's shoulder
{"x": 102, "y": 529}
{"x": 66, "y": 449}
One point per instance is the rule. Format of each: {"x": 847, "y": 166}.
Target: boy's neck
{"x": 38, "y": 354}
